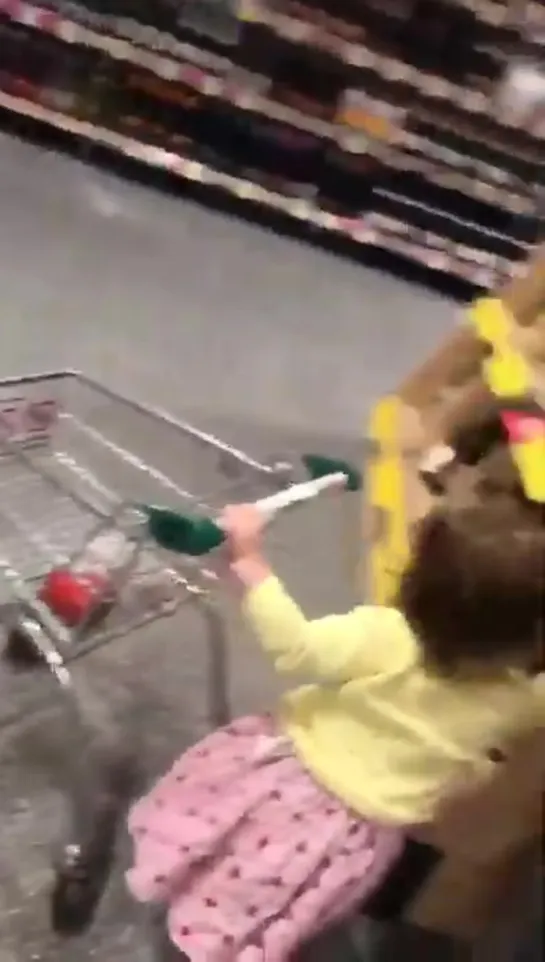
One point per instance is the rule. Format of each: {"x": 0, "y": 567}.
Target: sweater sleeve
{"x": 337, "y": 648}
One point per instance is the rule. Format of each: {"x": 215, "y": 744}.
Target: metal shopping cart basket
{"x": 75, "y": 458}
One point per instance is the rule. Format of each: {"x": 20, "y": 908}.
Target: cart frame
{"x": 100, "y": 784}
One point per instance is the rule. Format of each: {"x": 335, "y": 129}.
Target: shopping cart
{"x": 77, "y": 461}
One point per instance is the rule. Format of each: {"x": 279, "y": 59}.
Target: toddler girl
{"x": 276, "y": 826}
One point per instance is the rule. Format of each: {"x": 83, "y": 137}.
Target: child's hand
{"x": 243, "y": 525}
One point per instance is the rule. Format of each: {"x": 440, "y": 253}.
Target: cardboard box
{"x": 500, "y": 343}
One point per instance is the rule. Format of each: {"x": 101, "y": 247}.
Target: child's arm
{"x": 337, "y": 647}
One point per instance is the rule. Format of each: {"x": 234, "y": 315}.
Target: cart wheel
{"x": 81, "y": 880}
{"x": 83, "y": 870}
{"x": 23, "y": 653}
{"x": 20, "y": 649}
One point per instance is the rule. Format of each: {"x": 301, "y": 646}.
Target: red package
{"x": 73, "y": 597}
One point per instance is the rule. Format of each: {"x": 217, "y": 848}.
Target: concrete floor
{"x": 153, "y": 294}
{"x": 277, "y": 346}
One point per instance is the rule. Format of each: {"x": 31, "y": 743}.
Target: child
{"x": 274, "y": 827}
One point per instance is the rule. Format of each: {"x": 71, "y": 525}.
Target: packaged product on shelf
{"x": 350, "y": 176}
{"x": 283, "y": 158}
{"x": 26, "y": 65}
{"x": 41, "y": 68}
{"x": 521, "y": 94}
{"x": 259, "y": 49}
{"x": 377, "y": 118}
{"x": 156, "y": 111}
{"x": 217, "y": 19}
{"x": 309, "y": 80}
{"x": 512, "y": 160}
{"x": 441, "y": 37}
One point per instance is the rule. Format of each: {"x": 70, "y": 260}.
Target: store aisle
{"x": 273, "y": 344}
{"x": 193, "y": 309}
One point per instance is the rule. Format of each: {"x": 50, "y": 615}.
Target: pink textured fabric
{"x": 250, "y": 855}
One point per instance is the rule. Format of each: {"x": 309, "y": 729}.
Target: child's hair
{"x": 474, "y": 590}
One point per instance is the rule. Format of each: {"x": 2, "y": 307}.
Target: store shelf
{"x": 497, "y": 13}
{"x": 467, "y": 100}
{"x": 186, "y": 71}
{"x": 433, "y": 252}
{"x": 429, "y": 97}
{"x": 231, "y": 88}
{"x": 391, "y": 174}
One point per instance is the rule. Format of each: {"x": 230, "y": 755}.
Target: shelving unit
{"x": 338, "y": 115}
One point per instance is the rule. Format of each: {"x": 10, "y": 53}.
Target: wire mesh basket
{"x": 75, "y": 460}
{"x": 72, "y": 454}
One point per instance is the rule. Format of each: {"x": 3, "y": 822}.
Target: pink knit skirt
{"x": 248, "y": 853}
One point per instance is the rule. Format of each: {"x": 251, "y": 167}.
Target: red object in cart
{"x": 75, "y": 597}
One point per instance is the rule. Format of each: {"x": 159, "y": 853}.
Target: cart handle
{"x": 197, "y": 535}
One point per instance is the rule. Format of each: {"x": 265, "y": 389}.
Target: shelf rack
{"x": 445, "y": 151}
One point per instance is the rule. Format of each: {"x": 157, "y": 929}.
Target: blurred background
{"x": 260, "y": 216}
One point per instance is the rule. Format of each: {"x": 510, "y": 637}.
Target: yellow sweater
{"x": 377, "y": 729}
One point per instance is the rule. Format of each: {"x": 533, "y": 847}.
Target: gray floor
{"x": 276, "y": 346}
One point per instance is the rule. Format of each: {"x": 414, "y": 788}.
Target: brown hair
{"x": 474, "y": 590}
